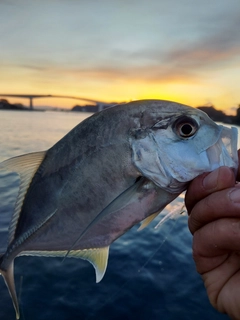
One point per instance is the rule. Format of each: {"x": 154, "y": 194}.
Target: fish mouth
{"x": 224, "y": 151}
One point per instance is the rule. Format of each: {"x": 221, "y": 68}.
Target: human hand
{"x": 213, "y": 202}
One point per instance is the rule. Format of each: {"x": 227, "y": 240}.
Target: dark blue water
{"x": 150, "y": 275}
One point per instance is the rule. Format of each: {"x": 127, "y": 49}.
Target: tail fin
{"x": 8, "y": 276}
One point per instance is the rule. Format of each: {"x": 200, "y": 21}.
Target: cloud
{"x": 106, "y": 74}
{"x": 33, "y": 67}
{"x": 211, "y": 51}
{"x": 217, "y": 48}
{"x": 162, "y": 42}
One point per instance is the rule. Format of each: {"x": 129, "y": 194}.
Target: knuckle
{"x": 235, "y": 228}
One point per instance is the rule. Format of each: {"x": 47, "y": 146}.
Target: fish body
{"x": 118, "y": 167}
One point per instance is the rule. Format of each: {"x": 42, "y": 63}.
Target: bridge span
{"x": 99, "y": 104}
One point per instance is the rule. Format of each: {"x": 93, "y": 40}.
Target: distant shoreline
{"x": 214, "y": 114}
{"x": 220, "y": 116}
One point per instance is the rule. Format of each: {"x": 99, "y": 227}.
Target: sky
{"x": 182, "y": 50}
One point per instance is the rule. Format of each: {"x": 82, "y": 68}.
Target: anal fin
{"x": 98, "y": 257}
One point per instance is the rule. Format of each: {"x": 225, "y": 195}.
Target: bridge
{"x": 100, "y": 104}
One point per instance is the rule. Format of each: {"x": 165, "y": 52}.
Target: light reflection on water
{"x": 150, "y": 274}
{"x": 24, "y": 132}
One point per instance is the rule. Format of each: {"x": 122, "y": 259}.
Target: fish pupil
{"x": 186, "y": 129}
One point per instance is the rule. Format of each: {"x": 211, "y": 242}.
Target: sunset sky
{"x": 182, "y": 50}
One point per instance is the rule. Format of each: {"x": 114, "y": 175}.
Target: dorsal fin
{"x": 26, "y": 166}
{"x": 146, "y": 221}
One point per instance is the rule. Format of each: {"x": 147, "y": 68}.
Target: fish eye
{"x": 185, "y": 127}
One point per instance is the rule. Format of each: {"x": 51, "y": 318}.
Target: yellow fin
{"x": 24, "y": 163}
{"x": 146, "y": 221}
{"x": 98, "y": 257}
{"x": 26, "y": 166}
{"x": 8, "y": 277}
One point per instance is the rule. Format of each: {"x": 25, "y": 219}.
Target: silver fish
{"x": 118, "y": 167}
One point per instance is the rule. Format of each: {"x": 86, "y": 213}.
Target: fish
{"x": 115, "y": 169}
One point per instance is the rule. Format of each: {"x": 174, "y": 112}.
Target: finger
{"x": 213, "y": 243}
{"x": 238, "y": 172}
{"x": 207, "y": 183}
{"x": 218, "y": 261}
{"x": 221, "y": 204}
{"x": 222, "y": 285}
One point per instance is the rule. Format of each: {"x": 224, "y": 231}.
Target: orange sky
{"x": 113, "y": 52}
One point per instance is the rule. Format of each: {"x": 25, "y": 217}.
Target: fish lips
{"x": 224, "y": 151}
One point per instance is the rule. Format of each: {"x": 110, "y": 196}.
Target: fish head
{"x": 174, "y": 149}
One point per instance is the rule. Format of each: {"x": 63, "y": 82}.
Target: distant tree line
{"x": 216, "y": 115}
{"x": 5, "y": 105}
{"x": 220, "y": 116}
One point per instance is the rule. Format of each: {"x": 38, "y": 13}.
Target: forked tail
{"x": 8, "y": 276}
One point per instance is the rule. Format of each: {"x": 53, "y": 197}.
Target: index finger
{"x": 208, "y": 183}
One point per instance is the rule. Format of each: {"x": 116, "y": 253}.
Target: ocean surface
{"x": 150, "y": 274}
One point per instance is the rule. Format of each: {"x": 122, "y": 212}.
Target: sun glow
{"x": 108, "y": 86}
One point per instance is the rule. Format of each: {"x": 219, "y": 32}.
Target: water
{"x": 150, "y": 275}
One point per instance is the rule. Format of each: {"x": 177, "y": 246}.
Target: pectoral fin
{"x": 124, "y": 199}
{"x": 146, "y": 221}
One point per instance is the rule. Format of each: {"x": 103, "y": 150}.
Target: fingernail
{"x": 211, "y": 180}
{"x": 234, "y": 195}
